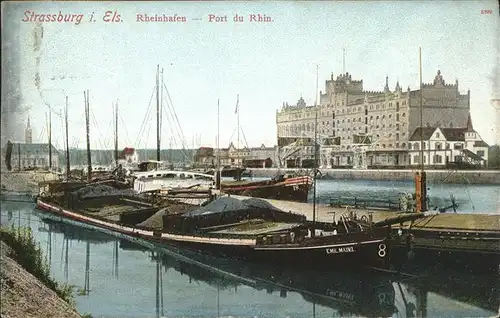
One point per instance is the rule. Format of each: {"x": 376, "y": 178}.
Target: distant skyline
{"x": 267, "y": 63}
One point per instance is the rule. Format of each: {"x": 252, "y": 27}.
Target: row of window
{"x": 348, "y": 110}
{"x": 33, "y": 162}
{"x": 437, "y": 146}
{"x": 309, "y": 127}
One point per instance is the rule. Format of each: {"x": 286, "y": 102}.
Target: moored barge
{"x": 249, "y": 229}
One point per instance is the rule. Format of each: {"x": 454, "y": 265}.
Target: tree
{"x": 494, "y": 157}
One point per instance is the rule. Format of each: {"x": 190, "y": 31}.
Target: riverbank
{"x": 22, "y": 293}
{"x": 433, "y": 176}
{"x": 24, "y": 182}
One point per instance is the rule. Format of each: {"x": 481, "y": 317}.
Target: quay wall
{"x": 433, "y": 176}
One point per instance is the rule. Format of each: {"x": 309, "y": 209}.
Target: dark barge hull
{"x": 293, "y": 189}
{"x": 368, "y": 249}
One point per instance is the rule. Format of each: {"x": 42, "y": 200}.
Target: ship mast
{"x": 238, "y": 124}
{"x": 50, "y": 139}
{"x": 315, "y": 171}
{"x": 116, "y": 134}
{"x": 158, "y": 113}
{"x": 218, "y": 173}
{"x": 87, "y": 118}
{"x": 68, "y": 169}
{"x": 420, "y": 177}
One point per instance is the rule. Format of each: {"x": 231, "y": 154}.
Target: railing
{"x": 366, "y": 203}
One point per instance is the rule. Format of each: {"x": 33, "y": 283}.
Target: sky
{"x": 265, "y": 63}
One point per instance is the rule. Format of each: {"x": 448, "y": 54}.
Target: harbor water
{"x": 116, "y": 277}
{"x": 471, "y": 198}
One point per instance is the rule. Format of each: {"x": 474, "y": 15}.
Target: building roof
{"x": 425, "y": 132}
{"x": 32, "y": 148}
{"x": 450, "y": 134}
{"x": 470, "y": 128}
{"x": 454, "y": 134}
{"x": 205, "y": 152}
{"x": 128, "y": 151}
{"x": 480, "y": 143}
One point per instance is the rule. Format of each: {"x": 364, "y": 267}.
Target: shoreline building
{"x": 29, "y": 155}
{"x": 366, "y": 129}
{"x": 249, "y": 157}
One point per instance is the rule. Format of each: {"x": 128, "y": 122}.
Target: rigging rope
{"x": 127, "y": 138}
{"x": 183, "y": 139}
{"x": 176, "y": 124}
{"x": 138, "y": 140}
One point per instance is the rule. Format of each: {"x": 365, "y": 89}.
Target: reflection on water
{"x": 116, "y": 277}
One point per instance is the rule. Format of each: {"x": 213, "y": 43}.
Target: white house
{"x": 443, "y": 147}
{"x": 128, "y": 157}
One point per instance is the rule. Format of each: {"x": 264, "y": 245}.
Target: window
{"x": 397, "y": 106}
{"x": 438, "y": 146}
{"x": 437, "y": 135}
{"x": 480, "y": 153}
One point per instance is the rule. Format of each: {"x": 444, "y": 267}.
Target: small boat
{"x": 164, "y": 180}
{"x": 281, "y": 187}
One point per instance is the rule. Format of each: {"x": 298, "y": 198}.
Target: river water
{"x": 115, "y": 277}
{"x": 471, "y": 198}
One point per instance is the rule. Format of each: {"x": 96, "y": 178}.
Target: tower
{"x": 28, "y": 133}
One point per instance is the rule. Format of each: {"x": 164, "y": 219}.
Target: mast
{"x": 161, "y": 105}
{"x": 87, "y": 117}
{"x": 421, "y": 112}
{"x": 315, "y": 171}
{"x": 116, "y": 133}
{"x": 19, "y": 155}
{"x": 67, "y": 140}
{"x": 420, "y": 178}
{"x": 217, "y": 175}
{"x": 158, "y": 113}
{"x": 238, "y": 124}
{"x": 50, "y": 139}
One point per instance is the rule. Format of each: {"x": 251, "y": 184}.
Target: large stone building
{"x": 360, "y": 129}
{"x": 29, "y": 155}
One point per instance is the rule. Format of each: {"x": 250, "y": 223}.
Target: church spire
{"x": 386, "y": 88}
{"x": 28, "y": 133}
{"x": 470, "y": 128}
